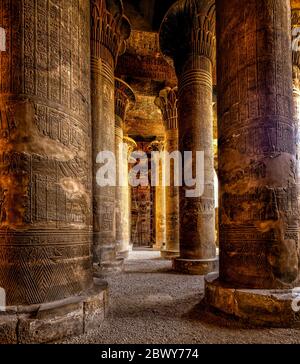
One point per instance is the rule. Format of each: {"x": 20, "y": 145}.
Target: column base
{"x": 57, "y": 320}
{"x": 107, "y": 268}
{"x": 270, "y": 308}
{"x": 200, "y": 267}
{"x": 169, "y": 254}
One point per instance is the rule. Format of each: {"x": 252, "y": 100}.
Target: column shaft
{"x": 257, "y": 154}
{"x": 158, "y": 146}
{"x": 107, "y": 37}
{"x": 124, "y": 100}
{"x": 188, "y": 36}
{"x": 172, "y": 200}
{"x": 296, "y": 87}
{"x": 127, "y": 196}
{"x": 167, "y": 102}
{"x": 197, "y": 229}
{"x": 160, "y": 216}
{"x": 103, "y": 140}
{"x": 259, "y": 232}
{"x": 45, "y": 154}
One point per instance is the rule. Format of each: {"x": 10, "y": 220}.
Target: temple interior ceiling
{"x": 145, "y": 120}
{"x": 144, "y": 67}
{"x": 146, "y": 15}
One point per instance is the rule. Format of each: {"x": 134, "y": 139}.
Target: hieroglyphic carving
{"x": 45, "y": 163}
{"x": 194, "y": 36}
{"x": 257, "y": 166}
{"x": 143, "y": 60}
{"x": 158, "y": 145}
{"x": 124, "y": 101}
{"x": 142, "y": 223}
{"x": 295, "y": 20}
{"x": 187, "y": 35}
{"x": 167, "y": 102}
{"x": 124, "y": 98}
{"x": 109, "y": 31}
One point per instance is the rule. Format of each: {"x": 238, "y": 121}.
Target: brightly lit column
{"x": 167, "y": 102}
{"x": 158, "y": 146}
{"x": 187, "y": 35}
{"x": 131, "y": 147}
{"x": 124, "y": 100}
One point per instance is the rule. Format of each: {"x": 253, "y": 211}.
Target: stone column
{"x": 167, "y": 102}
{"x": 259, "y": 233}
{"x": 46, "y": 172}
{"x": 215, "y": 146}
{"x": 158, "y": 145}
{"x": 109, "y": 30}
{"x": 124, "y": 100}
{"x": 187, "y": 35}
{"x": 131, "y": 146}
{"x": 296, "y": 85}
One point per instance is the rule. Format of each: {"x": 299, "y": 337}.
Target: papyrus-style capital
{"x": 110, "y": 28}
{"x": 189, "y": 29}
{"x": 167, "y": 102}
{"x": 158, "y": 145}
{"x": 124, "y": 99}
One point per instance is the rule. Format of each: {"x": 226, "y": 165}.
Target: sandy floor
{"x": 150, "y": 304}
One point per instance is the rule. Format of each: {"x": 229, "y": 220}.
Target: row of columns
{"x": 193, "y": 52}
{"x": 48, "y": 219}
{"x": 258, "y": 147}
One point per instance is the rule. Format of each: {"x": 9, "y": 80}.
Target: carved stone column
{"x": 46, "y": 172}
{"x": 296, "y": 85}
{"x": 167, "y": 102}
{"x": 109, "y": 30}
{"x": 259, "y": 233}
{"x": 124, "y": 100}
{"x": 131, "y": 146}
{"x": 187, "y": 35}
{"x": 158, "y": 145}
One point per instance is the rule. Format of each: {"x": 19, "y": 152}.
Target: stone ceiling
{"x": 144, "y": 68}
{"x": 146, "y": 15}
{"x": 147, "y": 72}
{"x": 145, "y": 120}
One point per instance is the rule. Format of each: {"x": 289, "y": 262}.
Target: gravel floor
{"x": 152, "y": 305}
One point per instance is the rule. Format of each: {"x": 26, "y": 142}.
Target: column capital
{"x": 110, "y": 28}
{"x": 131, "y": 143}
{"x": 189, "y": 29}
{"x": 158, "y": 145}
{"x": 124, "y": 99}
{"x": 167, "y": 102}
